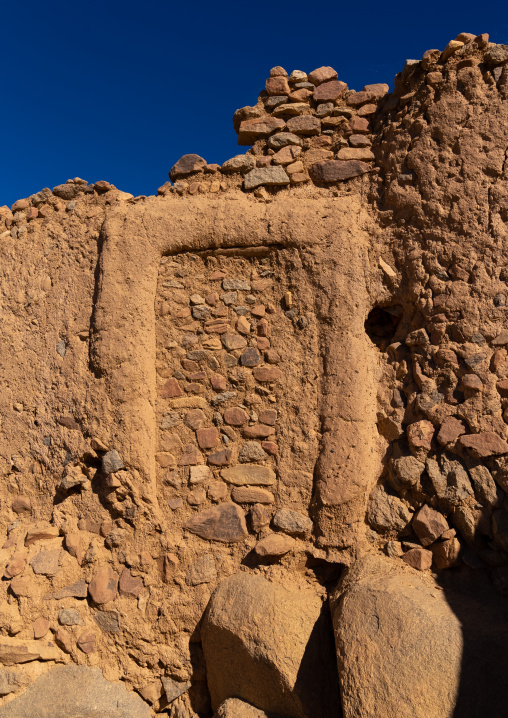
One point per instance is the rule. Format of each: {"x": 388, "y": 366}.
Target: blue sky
{"x": 119, "y": 91}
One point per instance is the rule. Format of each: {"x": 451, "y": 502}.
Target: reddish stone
{"x": 169, "y": 566}
{"x": 235, "y": 416}
{"x": 40, "y": 627}
{"x": 63, "y": 639}
{"x": 446, "y": 356}
{"x": 197, "y": 376}
{"x": 103, "y": 587}
{"x": 274, "y": 545}
{"x": 207, "y": 438}
{"x": 429, "y": 525}
{"x": 322, "y": 74}
{"x": 263, "y": 343}
{"x": 191, "y": 456}
{"x": 337, "y": 170}
{"x": 502, "y": 387}
{"x": 20, "y": 204}
{"x": 225, "y": 523}
{"x": 430, "y": 57}
{"x": 218, "y": 274}
{"x": 498, "y": 361}
{"x": 218, "y": 382}
{"x": 263, "y": 161}
{"x": 261, "y": 285}
{"x": 450, "y": 430}
{"x": 270, "y": 447}
{"x": 446, "y": 553}
{"x": 195, "y": 418}
{"x": 194, "y": 388}
{"x": 21, "y": 505}
{"x": 366, "y": 110}
{"x": 359, "y": 125}
{"x": 263, "y": 328}
{"x": 258, "y": 431}
{"x": 268, "y": 416}
{"x": 376, "y": 91}
{"x": 185, "y": 166}
{"x": 472, "y": 382}
{"x": 216, "y": 326}
{"x": 420, "y": 436}
{"x": 220, "y": 458}
{"x": 86, "y": 642}
{"x": 130, "y": 585}
{"x": 418, "y": 558}
{"x": 32, "y": 213}
{"x": 250, "y": 357}
{"x": 267, "y": 374}
{"x": 434, "y": 78}
{"x": 277, "y": 86}
{"x": 170, "y": 389}
{"x": 258, "y": 128}
{"x": 189, "y": 365}
{"x": 102, "y": 186}
{"x": 300, "y": 95}
{"x": 359, "y": 141}
{"x": 272, "y": 356}
{"x": 329, "y": 91}
{"x": 304, "y": 125}
{"x": 15, "y": 566}
{"x": 483, "y": 445}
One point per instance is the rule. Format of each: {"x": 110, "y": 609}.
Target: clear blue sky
{"x": 120, "y": 90}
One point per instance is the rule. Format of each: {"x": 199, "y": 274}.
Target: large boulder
{"x": 407, "y": 646}
{"x": 76, "y": 691}
{"x": 271, "y": 647}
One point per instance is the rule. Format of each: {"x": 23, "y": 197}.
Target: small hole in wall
{"x": 381, "y": 325}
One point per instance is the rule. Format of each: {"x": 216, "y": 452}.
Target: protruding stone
{"x": 187, "y": 164}
{"x": 337, "y": 170}
{"x": 258, "y": 128}
{"x": 322, "y": 74}
{"x": 225, "y": 523}
{"x": 235, "y": 416}
{"x": 269, "y": 176}
{"x": 130, "y": 585}
{"x": 239, "y": 163}
{"x": 103, "y": 587}
{"x": 251, "y": 495}
{"x": 484, "y": 444}
{"x": 387, "y": 512}
{"x": 450, "y": 430}
{"x": 274, "y": 545}
{"x": 329, "y": 91}
{"x": 446, "y": 553}
{"x": 418, "y": 558}
{"x": 429, "y": 525}
{"x": 304, "y": 125}
{"x": 292, "y": 522}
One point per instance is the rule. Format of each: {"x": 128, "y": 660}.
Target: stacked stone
{"x": 43, "y": 204}
{"x": 219, "y": 391}
{"x": 303, "y": 128}
{"x": 446, "y": 421}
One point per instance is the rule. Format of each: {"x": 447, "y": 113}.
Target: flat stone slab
{"x": 273, "y": 176}
{"x": 76, "y": 691}
{"x": 249, "y": 475}
{"x": 337, "y": 170}
{"x": 225, "y": 523}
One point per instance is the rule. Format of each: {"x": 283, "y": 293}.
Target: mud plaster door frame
{"x": 123, "y": 343}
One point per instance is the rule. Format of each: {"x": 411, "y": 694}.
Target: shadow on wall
{"x": 483, "y": 614}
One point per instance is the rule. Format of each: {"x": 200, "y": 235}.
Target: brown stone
{"x": 420, "y": 436}
{"x": 191, "y": 456}
{"x": 250, "y": 357}
{"x": 270, "y": 447}
{"x": 251, "y": 495}
{"x": 472, "y": 382}
{"x": 356, "y": 153}
{"x": 418, "y": 558}
{"x": 337, "y": 170}
{"x": 22, "y": 505}
{"x": 257, "y": 128}
{"x": 74, "y": 545}
{"x": 242, "y": 325}
{"x": 275, "y": 545}
{"x": 304, "y": 125}
{"x": 322, "y": 74}
{"x": 235, "y": 416}
{"x": 130, "y": 585}
{"x": 86, "y": 642}
{"x": 429, "y": 525}
{"x": 259, "y": 517}
{"x": 249, "y": 474}
{"x": 22, "y": 586}
{"x": 272, "y": 356}
{"x": 268, "y": 416}
{"x": 484, "y": 444}
{"x": 40, "y": 627}
{"x": 207, "y": 438}
{"x": 165, "y": 460}
{"x": 220, "y": 458}
{"x": 225, "y": 523}
{"x": 233, "y": 341}
{"x": 46, "y": 563}
{"x": 262, "y": 343}
{"x": 218, "y": 382}
{"x": 450, "y": 430}
{"x": 258, "y": 431}
{"x": 15, "y": 566}
{"x": 40, "y": 532}
{"x": 265, "y": 374}
{"x": 277, "y": 86}
{"x": 103, "y": 587}
{"x": 329, "y": 91}
{"x": 64, "y": 640}
{"x": 194, "y": 419}
{"x": 170, "y": 389}
{"x": 186, "y": 165}
{"x": 446, "y": 553}
{"x": 359, "y": 125}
